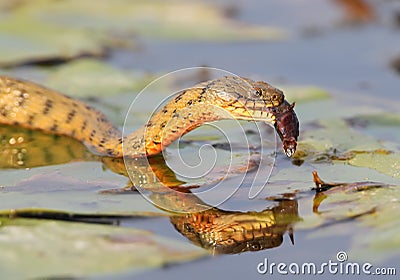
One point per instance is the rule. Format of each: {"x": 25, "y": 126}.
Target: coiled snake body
{"x": 32, "y": 106}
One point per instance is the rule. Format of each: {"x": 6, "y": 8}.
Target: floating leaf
{"x": 172, "y": 19}
{"x": 329, "y": 140}
{"x": 371, "y": 204}
{"x": 61, "y": 30}
{"x": 387, "y": 163}
{"x": 41, "y": 249}
{"x": 301, "y": 94}
{"x": 25, "y": 40}
{"x": 89, "y": 77}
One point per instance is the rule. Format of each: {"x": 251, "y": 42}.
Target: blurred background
{"x": 350, "y": 46}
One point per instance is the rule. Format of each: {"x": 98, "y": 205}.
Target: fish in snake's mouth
{"x": 287, "y": 126}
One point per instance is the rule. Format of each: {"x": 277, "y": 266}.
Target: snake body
{"x": 29, "y": 105}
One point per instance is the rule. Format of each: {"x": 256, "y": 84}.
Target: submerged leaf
{"x": 41, "y": 249}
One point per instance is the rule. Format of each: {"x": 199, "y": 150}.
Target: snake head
{"x": 246, "y": 99}
{"x": 287, "y": 127}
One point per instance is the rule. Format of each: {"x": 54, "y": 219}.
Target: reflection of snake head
{"x": 228, "y": 232}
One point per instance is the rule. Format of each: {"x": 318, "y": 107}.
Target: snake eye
{"x": 275, "y": 97}
{"x": 258, "y": 92}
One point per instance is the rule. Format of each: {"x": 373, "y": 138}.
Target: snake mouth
{"x": 289, "y": 146}
{"x": 255, "y": 112}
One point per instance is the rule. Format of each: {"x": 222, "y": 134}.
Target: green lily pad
{"x": 40, "y": 249}
{"x": 391, "y": 119}
{"x": 89, "y": 77}
{"x": 61, "y": 30}
{"x": 173, "y": 19}
{"x": 329, "y": 140}
{"x": 387, "y": 163}
{"x": 25, "y": 40}
{"x": 371, "y": 206}
{"x": 301, "y": 94}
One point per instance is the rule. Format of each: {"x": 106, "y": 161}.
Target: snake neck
{"x": 186, "y": 111}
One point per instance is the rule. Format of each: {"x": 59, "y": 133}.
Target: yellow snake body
{"x": 32, "y": 106}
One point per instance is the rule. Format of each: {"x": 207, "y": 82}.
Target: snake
{"x": 29, "y": 105}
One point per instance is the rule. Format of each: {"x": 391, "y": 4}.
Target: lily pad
{"x": 370, "y": 205}
{"x": 172, "y": 19}
{"x": 329, "y": 140}
{"x": 60, "y": 30}
{"x": 301, "y": 94}
{"x": 387, "y": 163}
{"x": 89, "y": 77}
{"x": 41, "y": 249}
{"x": 25, "y": 40}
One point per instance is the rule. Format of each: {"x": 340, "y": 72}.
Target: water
{"x": 345, "y": 58}
{"x": 348, "y": 60}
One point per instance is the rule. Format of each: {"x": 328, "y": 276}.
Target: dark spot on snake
{"x": 163, "y": 124}
{"x": 179, "y": 97}
{"x": 15, "y": 123}
{"x": 205, "y": 89}
{"x": 54, "y": 127}
{"x": 189, "y": 102}
{"x": 165, "y": 110}
{"x": 47, "y": 106}
{"x": 84, "y": 125}
{"x": 70, "y": 116}
{"x": 93, "y": 133}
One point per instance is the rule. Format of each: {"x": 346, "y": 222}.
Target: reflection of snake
{"x": 29, "y": 105}
{"x": 229, "y": 232}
